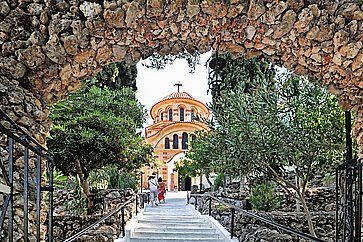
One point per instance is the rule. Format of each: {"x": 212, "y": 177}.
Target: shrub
{"x": 111, "y": 177}
{"x": 219, "y": 181}
{"x": 264, "y": 197}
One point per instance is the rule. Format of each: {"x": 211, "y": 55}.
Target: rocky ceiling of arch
{"x": 49, "y": 46}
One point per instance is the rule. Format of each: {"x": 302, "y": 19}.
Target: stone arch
{"x": 80, "y": 39}
{"x": 48, "y": 47}
{"x": 67, "y": 43}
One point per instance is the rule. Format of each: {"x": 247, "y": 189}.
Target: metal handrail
{"x": 22, "y": 131}
{"x": 98, "y": 222}
{"x": 37, "y": 149}
{"x": 253, "y": 215}
{"x": 17, "y": 135}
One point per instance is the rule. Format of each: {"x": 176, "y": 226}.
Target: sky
{"x": 153, "y": 85}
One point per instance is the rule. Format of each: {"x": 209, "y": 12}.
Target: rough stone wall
{"x": 28, "y": 111}
{"x": 249, "y": 229}
{"x": 318, "y": 199}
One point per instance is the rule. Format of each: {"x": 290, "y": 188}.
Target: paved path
{"x": 173, "y": 221}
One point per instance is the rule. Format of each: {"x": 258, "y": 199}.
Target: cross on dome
{"x": 178, "y": 84}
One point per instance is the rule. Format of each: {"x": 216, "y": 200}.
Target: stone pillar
{"x": 32, "y": 115}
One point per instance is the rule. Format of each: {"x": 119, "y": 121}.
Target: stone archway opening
{"x": 49, "y": 47}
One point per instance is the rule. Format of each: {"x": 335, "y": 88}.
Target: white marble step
{"x": 175, "y": 229}
{"x": 166, "y": 215}
{"x": 182, "y": 234}
{"x": 174, "y": 225}
{"x": 161, "y": 239}
{"x": 171, "y": 220}
{"x": 168, "y": 210}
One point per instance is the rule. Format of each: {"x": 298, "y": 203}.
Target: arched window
{"x": 175, "y": 141}
{"x": 167, "y": 143}
{"x": 184, "y": 141}
{"x": 170, "y": 114}
{"x": 161, "y": 116}
{"x": 181, "y": 114}
{"x": 192, "y": 115}
{"x": 193, "y": 137}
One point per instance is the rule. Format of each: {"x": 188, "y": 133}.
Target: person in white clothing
{"x": 153, "y": 186}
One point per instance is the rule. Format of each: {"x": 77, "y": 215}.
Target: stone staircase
{"x": 174, "y": 221}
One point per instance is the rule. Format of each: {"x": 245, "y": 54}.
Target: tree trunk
{"x": 307, "y": 214}
{"x": 209, "y": 182}
{"x": 84, "y": 184}
{"x": 297, "y": 200}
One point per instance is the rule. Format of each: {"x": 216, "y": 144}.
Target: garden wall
{"x": 65, "y": 224}
{"x": 320, "y": 200}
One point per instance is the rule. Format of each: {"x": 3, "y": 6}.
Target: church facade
{"x": 175, "y": 118}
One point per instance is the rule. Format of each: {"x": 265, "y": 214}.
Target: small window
{"x": 161, "y": 116}
{"x": 170, "y": 114}
{"x": 192, "y": 115}
{"x": 181, "y": 114}
{"x": 175, "y": 141}
{"x": 184, "y": 141}
{"x": 167, "y": 143}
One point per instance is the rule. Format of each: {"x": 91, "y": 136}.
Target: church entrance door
{"x": 187, "y": 184}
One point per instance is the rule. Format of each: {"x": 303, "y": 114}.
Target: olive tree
{"x": 98, "y": 127}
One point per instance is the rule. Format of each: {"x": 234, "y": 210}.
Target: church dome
{"x": 179, "y": 95}
{"x": 175, "y": 101}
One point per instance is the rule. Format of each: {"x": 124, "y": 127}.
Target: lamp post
{"x": 215, "y": 65}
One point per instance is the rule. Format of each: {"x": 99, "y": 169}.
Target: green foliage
{"x": 111, "y": 177}
{"x": 267, "y": 125}
{"x": 77, "y": 205}
{"x": 264, "y": 197}
{"x": 218, "y": 182}
{"x": 328, "y": 179}
{"x": 115, "y": 76}
{"x": 187, "y": 168}
{"x": 157, "y": 61}
{"x": 223, "y": 208}
{"x": 278, "y": 124}
{"x": 98, "y": 128}
{"x": 200, "y": 159}
{"x": 242, "y": 73}
{"x": 59, "y": 180}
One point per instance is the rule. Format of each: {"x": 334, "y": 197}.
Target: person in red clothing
{"x": 161, "y": 186}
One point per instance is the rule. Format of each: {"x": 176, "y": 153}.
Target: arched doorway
{"x": 186, "y": 184}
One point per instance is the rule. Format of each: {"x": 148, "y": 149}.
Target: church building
{"x": 175, "y": 118}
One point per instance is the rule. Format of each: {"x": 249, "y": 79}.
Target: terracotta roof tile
{"x": 179, "y": 95}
